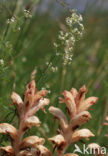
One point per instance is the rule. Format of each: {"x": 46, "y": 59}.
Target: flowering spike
{"x": 33, "y": 102}
{"x": 77, "y": 107}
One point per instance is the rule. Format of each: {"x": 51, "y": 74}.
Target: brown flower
{"x": 77, "y": 107}
{"x": 33, "y": 102}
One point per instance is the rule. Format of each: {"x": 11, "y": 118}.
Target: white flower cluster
{"x": 66, "y": 39}
{"x": 52, "y": 68}
{"x": 67, "y": 57}
{"x": 14, "y": 23}
{"x": 74, "y": 23}
{"x": 27, "y": 14}
{"x": 11, "y": 20}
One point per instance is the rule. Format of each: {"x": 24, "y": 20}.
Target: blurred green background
{"x": 27, "y": 43}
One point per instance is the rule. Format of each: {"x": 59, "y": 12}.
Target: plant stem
{"x": 18, "y": 140}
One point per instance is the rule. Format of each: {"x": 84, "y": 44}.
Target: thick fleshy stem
{"x": 16, "y": 144}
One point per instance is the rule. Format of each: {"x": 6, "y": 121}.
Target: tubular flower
{"x": 77, "y": 107}
{"x": 33, "y": 102}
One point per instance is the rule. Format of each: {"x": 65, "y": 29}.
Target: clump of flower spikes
{"x": 77, "y": 107}
{"x": 68, "y": 37}
{"x": 33, "y": 101}
{"x": 27, "y": 14}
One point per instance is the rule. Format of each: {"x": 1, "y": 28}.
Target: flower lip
{"x": 7, "y": 149}
{"x": 6, "y": 128}
{"x": 31, "y": 141}
{"x": 58, "y": 140}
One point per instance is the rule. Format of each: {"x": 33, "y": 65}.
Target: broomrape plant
{"x": 77, "y": 107}
{"x": 34, "y": 100}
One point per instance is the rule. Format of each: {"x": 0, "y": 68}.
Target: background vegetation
{"x": 26, "y": 42}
